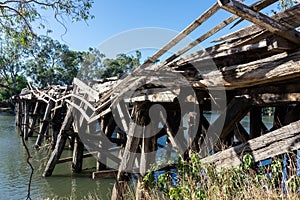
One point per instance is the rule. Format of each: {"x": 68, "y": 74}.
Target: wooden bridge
{"x": 247, "y": 71}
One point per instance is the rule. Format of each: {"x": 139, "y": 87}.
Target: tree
{"x": 96, "y": 66}
{"x": 18, "y": 16}
{"x": 121, "y": 65}
{"x": 91, "y": 65}
{"x": 52, "y": 63}
{"x": 12, "y": 57}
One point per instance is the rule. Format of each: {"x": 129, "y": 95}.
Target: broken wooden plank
{"x": 278, "y": 142}
{"x": 256, "y": 6}
{"x": 86, "y": 89}
{"x": 289, "y": 17}
{"x": 206, "y": 15}
{"x": 284, "y": 66}
{"x": 260, "y": 19}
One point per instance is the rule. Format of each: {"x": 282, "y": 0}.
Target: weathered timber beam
{"x": 212, "y": 10}
{"x": 255, "y": 122}
{"x": 70, "y": 159}
{"x": 280, "y": 141}
{"x": 217, "y": 132}
{"x": 289, "y": 17}
{"x": 206, "y": 15}
{"x": 276, "y": 44}
{"x": 280, "y": 67}
{"x": 275, "y": 99}
{"x": 260, "y": 19}
{"x": 87, "y": 89}
{"x": 256, "y": 6}
{"x": 105, "y": 174}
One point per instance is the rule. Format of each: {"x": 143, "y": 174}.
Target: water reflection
{"x": 14, "y": 172}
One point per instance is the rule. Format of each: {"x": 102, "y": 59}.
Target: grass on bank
{"x": 195, "y": 180}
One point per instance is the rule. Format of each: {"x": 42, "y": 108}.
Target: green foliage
{"x": 15, "y": 88}
{"x": 52, "y": 63}
{"x": 96, "y": 66}
{"x": 17, "y": 17}
{"x": 196, "y": 180}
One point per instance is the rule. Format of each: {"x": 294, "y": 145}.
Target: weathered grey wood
{"x": 45, "y": 124}
{"x": 289, "y": 17}
{"x": 278, "y": 142}
{"x": 256, "y": 6}
{"x": 276, "y": 68}
{"x": 84, "y": 87}
{"x": 278, "y": 44}
{"x": 260, "y": 19}
{"x": 206, "y": 15}
{"x": 35, "y": 116}
{"x": 70, "y": 159}
{"x": 224, "y": 124}
{"x": 105, "y": 174}
{"x": 77, "y": 155}
{"x": 26, "y": 119}
{"x": 60, "y": 144}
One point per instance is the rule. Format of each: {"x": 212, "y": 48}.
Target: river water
{"x": 14, "y": 172}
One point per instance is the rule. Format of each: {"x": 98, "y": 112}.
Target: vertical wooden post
{"x": 132, "y": 144}
{"x": 279, "y": 115}
{"x": 26, "y": 120}
{"x": 45, "y": 124}
{"x": 17, "y": 110}
{"x": 255, "y": 122}
{"x": 34, "y": 118}
{"x": 60, "y": 144}
{"x": 193, "y": 133}
{"x": 77, "y": 155}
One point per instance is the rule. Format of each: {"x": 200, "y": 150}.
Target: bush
{"x": 195, "y": 180}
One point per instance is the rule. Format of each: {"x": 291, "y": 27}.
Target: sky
{"x": 124, "y": 23}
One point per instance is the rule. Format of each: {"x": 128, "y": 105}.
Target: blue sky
{"x": 115, "y": 17}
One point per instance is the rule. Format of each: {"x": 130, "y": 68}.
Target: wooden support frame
{"x": 278, "y": 142}
{"x": 260, "y": 19}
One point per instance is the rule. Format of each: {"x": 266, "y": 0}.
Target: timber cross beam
{"x": 260, "y": 19}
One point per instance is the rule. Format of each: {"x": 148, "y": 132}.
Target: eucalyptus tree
{"x": 19, "y": 17}
{"x": 52, "y": 63}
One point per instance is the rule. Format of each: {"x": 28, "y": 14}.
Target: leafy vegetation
{"x": 195, "y": 180}
{"x": 18, "y": 17}
{"x": 52, "y": 63}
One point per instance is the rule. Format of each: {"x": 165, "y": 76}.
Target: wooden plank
{"x": 278, "y": 44}
{"x": 70, "y": 159}
{"x": 45, "y": 124}
{"x": 269, "y": 70}
{"x": 105, "y": 174}
{"x": 278, "y": 142}
{"x": 60, "y": 144}
{"x": 273, "y": 98}
{"x": 256, "y": 6}
{"x": 260, "y": 19}
{"x": 289, "y": 17}
{"x": 77, "y": 160}
{"x": 206, "y": 15}
{"x": 86, "y": 89}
